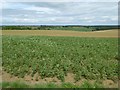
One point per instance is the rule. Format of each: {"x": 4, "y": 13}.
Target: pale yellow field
{"x": 106, "y": 33}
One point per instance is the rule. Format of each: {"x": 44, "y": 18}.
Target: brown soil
{"x": 109, "y": 83}
{"x": 105, "y": 33}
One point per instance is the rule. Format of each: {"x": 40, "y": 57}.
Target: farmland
{"x": 90, "y": 58}
{"x": 59, "y": 44}
{"x": 113, "y": 33}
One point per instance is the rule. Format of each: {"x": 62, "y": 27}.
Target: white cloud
{"x": 42, "y": 10}
{"x": 21, "y": 20}
{"x": 63, "y": 13}
{"x": 102, "y": 20}
{"x": 0, "y": 5}
{"x": 89, "y": 18}
{"x": 89, "y": 21}
{"x": 113, "y": 18}
{"x": 105, "y": 17}
{"x": 25, "y": 15}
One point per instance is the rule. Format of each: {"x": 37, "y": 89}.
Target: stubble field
{"x": 104, "y": 33}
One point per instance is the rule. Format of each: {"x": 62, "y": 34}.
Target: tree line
{"x": 45, "y": 27}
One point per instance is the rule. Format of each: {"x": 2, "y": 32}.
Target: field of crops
{"x": 89, "y": 58}
{"x": 113, "y": 33}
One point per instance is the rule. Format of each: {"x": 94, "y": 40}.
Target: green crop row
{"x": 89, "y": 58}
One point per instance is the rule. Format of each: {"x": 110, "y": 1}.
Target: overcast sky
{"x": 60, "y": 13}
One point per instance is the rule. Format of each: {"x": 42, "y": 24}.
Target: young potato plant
{"x": 90, "y": 58}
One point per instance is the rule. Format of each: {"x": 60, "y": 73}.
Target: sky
{"x": 59, "y": 13}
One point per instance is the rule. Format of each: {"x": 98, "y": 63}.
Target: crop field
{"x": 105, "y": 33}
{"x": 48, "y": 57}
